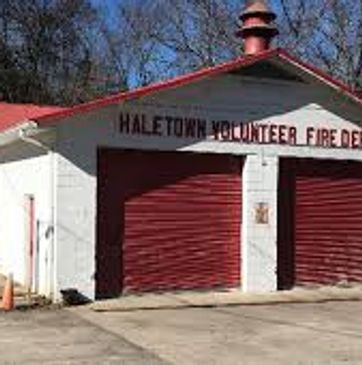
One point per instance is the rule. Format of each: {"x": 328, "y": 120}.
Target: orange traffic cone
{"x": 8, "y": 294}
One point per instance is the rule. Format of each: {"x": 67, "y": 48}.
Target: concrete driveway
{"x": 61, "y": 337}
{"x": 290, "y": 334}
{"x": 303, "y": 334}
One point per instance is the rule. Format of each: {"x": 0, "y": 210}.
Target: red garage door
{"x": 320, "y": 224}
{"x": 167, "y": 221}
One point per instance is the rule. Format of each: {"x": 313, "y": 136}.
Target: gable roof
{"x": 44, "y": 115}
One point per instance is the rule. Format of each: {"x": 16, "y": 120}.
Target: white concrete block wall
{"x": 259, "y": 240}
{"x": 25, "y": 170}
{"x": 76, "y": 213}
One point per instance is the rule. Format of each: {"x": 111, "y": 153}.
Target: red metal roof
{"x": 15, "y": 114}
{"x": 44, "y": 115}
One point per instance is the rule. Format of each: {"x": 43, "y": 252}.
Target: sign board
{"x": 167, "y": 126}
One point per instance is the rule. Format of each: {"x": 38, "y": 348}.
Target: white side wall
{"x": 224, "y": 97}
{"x": 76, "y": 217}
{"x": 26, "y": 170}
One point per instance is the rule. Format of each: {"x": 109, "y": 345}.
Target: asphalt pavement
{"x": 279, "y": 334}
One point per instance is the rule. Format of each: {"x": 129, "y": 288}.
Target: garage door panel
{"x": 181, "y": 219}
{"x": 326, "y": 245}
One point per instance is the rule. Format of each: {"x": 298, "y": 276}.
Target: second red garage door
{"x": 167, "y": 221}
{"x": 320, "y": 222}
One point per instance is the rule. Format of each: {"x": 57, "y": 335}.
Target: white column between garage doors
{"x": 259, "y": 248}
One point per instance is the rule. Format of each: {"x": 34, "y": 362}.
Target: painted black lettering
{"x": 124, "y": 122}
{"x": 201, "y": 129}
{"x": 136, "y": 125}
{"x": 178, "y": 127}
{"x": 169, "y": 121}
{"x": 156, "y": 126}
{"x": 216, "y": 130}
{"x": 190, "y": 128}
{"x": 225, "y": 130}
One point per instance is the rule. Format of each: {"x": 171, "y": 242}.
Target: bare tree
{"x": 68, "y": 51}
{"x": 200, "y": 33}
{"x": 131, "y": 42}
{"x": 327, "y": 33}
{"x": 151, "y": 40}
{"x": 173, "y": 37}
{"x": 47, "y": 56}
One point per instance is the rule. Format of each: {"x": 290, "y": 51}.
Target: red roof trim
{"x": 206, "y": 72}
{"x": 13, "y": 115}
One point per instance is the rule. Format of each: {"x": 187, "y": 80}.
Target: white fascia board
{"x": 27, "y": 128}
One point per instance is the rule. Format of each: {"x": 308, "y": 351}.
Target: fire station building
{"x": 244, "y": 175}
